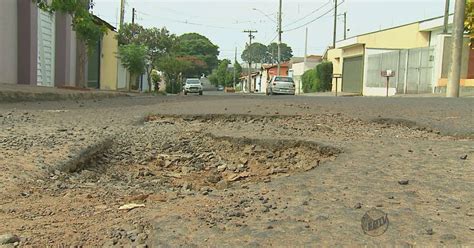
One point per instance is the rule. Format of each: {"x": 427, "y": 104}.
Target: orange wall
{"x": 470, "y": 70}
{"x": 283, "y": 71}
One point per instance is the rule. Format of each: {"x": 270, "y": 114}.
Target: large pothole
{"x": 180, "y": 153}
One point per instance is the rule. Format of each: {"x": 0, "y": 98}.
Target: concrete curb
{"x": 19, "y": 96}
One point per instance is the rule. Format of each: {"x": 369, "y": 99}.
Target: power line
{"x": 188, "y": 22}
{"x": 317, "y": 18}
{"x": 306, "y": 16}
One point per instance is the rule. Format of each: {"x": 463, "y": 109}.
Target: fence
{"x": 413, "y": 67}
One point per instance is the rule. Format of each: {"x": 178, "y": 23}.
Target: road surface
{"x": 236, "y": 170}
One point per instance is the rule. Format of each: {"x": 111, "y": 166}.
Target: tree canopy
{"x": 259, "y": 53}
{"x": 223, "y": 75}
{"x": 272, "y": 53}
{"x": 133, "y": 57}
{"x": 255, "y": 53}
{"x": 158, "y": 43}
{"x": 469, "y": 20}
{"x": 199, "y": 51}
{"x": 172, "y": 68}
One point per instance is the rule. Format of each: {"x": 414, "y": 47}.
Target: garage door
{"x": 353, "y": 74}
{"x": 46, "y": 49}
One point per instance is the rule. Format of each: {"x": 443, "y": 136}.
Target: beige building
{"x": 417, "y": 52}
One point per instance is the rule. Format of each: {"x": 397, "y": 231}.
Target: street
{"x": 237, "y": 170}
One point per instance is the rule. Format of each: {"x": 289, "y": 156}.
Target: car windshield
{"x": 193, "y": 81}
{"x": 284, "y": 79}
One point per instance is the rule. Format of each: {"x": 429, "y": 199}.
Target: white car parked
{"x": 280, "y": 85}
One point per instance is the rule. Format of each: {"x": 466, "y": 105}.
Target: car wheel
{"x": 185, "y": 93}
{"x": 200, "y": 93}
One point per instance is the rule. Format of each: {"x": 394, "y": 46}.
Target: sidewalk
{"x": 339, "y": 94}
{"x": 343, "y": 94}
{"x": 23, "y": 93}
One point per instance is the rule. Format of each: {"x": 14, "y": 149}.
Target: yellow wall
{"x": 335, "y": 56}
{"x": 108, "y": 65}
{"x": 403, "y": 37}
{"x": 353, "y": 51}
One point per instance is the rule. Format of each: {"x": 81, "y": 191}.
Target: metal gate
{"x": 420, "y": 71}
{"x": 413, "y": 67}
{"x": 122, "y": 76}
{"x": 93, "y": 67}
{"x": 353, "y": 74}
{"x": 46, "y": 49}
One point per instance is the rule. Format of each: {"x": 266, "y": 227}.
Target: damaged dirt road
{"x": 236, "y": 171}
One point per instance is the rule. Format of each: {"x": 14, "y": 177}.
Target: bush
{"x": 324, "y": 71}
{"x": 318, "y": 79}
{"x": 309, "y": 81}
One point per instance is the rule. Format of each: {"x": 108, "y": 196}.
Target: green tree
{"x": 173, "y": 68}
{"x": 272, "y": 53}
{"x": 130, "y": 34}
{"x": 133, "y": 58}
{"x": 223, "y": 74}
{"x": 469, "y": 20}
{"x": 199, "y": 51}
{"x": 213, "y": 78}
{"x": 156, "y": 78}
{"x": 318, "y": 79}
{"x": 159, "y": 43}
{"x": 238, "y": 71}
{"x": 255, "y": 53}
{"x": 309, "y": 81}
{"x": 324, "y": 73}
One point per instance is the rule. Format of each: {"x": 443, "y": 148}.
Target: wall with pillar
{"x": 8, "y": 42}
{"x": 65, "y": 65}
{"x": 27, "y": 45}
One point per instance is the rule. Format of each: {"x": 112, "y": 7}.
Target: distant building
{"x": 418, "y": 52}
{"x": 267, "y": 72}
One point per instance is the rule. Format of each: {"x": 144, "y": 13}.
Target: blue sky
{"x": 223, "y": 21}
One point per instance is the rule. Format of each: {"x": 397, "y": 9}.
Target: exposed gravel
{"x": 236, "y": 171}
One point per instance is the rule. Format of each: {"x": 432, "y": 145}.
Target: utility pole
{"x": 279, "y": 38}
{"x": 306, "y": 46}
{"x": 305, "y": 58}
{"x": 235, "y": 62}
{"x": 250, "y": 32}
{"x": 446, "y": 17}
{"x": 133, "y": 16}
{"x": 122, "y": 12}
{"x": 345, "y": 25}
{"x": 452, "y": 89}
{"x": 335, "y": 25}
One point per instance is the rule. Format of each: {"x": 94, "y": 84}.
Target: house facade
{"x": 419, "y": 53}
{"x": 40, "y": 48}
{"x": 268, "y": 71}
{"x": 36, "y": 47}
{"x": 102, "y": 62}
